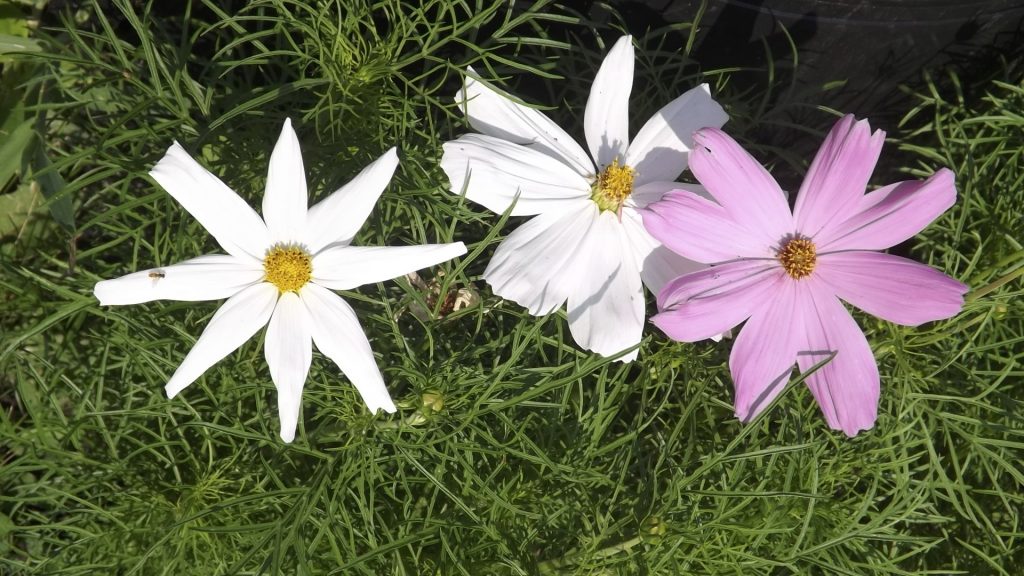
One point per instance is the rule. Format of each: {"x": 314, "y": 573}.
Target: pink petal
{"x": 763, "y": 355}
{"x": 653, "y": 191}
{"x": 892, "y": 214}
{"x": 838, "y": 177}
{"x": 702, "y": 230}
{"x": 847, "y": 387}
{"x": 658, "y": 265}
{"x": 890, "y": 287}
{"x": 742, "y": 186}
{"x": 708, "y": 302}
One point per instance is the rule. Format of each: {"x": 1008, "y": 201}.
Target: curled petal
{"x": 661, "y": 150}
{"x": 847, "y": 387}
{"x": 235, "y": 322}
{"x": 890, "y": 287}
{"x": 495, "y": 113}
{"x": 345, "y": 267}
{"x": 337, "y": 218}
{"x": 534, "y": 266}
{"x": 892, "y": 214}
{"x": 739, "y": 184}
{"x": 494, "y": 173}
{"x": 210, "y": 277}
{"x": 606, "y": 118}
{"x": 289, "y": 354}
{"x": 338, "y": 335}
{"x": 708, "y": 302}
{"x": 232, "y": 222}
{"x": 838, "y": 176}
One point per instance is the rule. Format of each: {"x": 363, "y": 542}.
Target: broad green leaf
{"x": 17, "y": 207}
{"x": 12, "y": 146}
{"x": 13, "y": 20}
{"x": 10, "y": 43}
{"x": 51, "y": 183}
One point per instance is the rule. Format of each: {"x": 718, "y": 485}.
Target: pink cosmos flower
{"x": 785, "y": 272}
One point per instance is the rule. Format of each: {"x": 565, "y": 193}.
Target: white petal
{"x": 495, "y": 113}
{"x": 289, "y": 354}
{"x": 606, "y": 119}
{"x": 658, "y": 265}
{"x": 345, "y": 267}
{"x": 661, "y": 149}
{"x": 606, "y": 305}
{"x": 237, "y": 320}
{"x": 284, "y": 202}
{"x": 337, "y": 218}
{"x": 210, "y": 277}
{"x": 232, "y": 222}
{"x": 338, "y": 335}
{"x": 534, "y": 265}
{"x": 492, "y": 172}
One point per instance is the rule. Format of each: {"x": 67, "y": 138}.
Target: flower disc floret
{"x": 613, "y": 186}
{"x": 288, "y": 267}
{"x": 798, "y": 257}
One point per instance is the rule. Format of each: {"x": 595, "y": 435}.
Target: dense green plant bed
{"x": 513, "y": 450}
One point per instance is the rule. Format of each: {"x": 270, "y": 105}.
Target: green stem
{"x": 549, "y": 566}
{"x": 995, "y": 284}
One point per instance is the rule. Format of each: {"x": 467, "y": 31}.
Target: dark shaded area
{"x": 852, "y": 55}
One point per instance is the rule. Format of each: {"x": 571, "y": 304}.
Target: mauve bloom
{"x": 785, "y": 272}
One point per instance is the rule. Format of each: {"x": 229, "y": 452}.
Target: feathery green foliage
{"x": 513, "y": 452}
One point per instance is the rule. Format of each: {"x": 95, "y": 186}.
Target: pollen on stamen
{"x": 288, "y": 267}
{"x": 613, "y": 186}
{"x": 798, "y": 257}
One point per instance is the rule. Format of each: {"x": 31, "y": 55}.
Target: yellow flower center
{"x": 613, "y": 186}
{"x": 288, "y": 267}
{"x": 798, "y": 257}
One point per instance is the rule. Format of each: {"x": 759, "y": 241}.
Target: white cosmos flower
{"x": 279, "y": 270}
{"x": 587, "y": 243}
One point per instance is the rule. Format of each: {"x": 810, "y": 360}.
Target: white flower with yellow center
{"x": 279, "y": 270}
{"x": 587, "y": 244}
